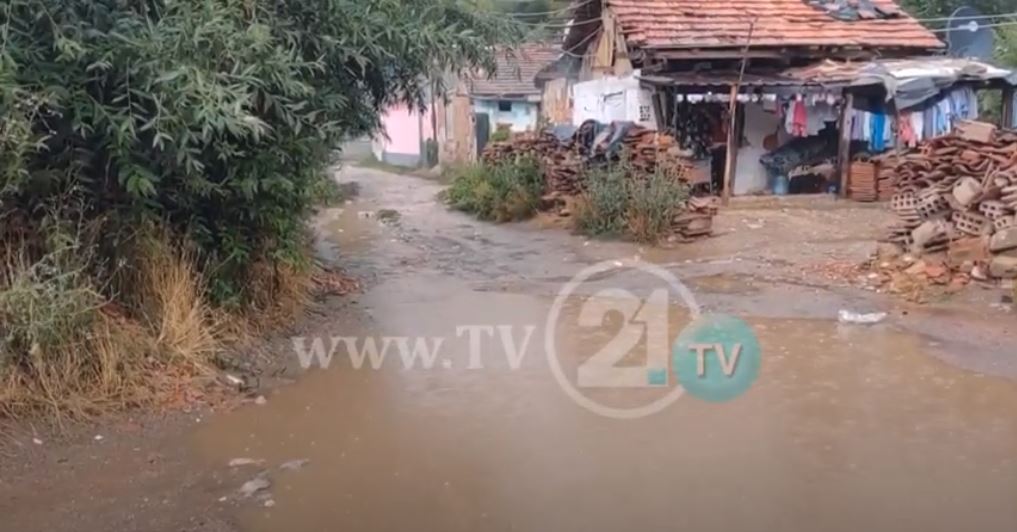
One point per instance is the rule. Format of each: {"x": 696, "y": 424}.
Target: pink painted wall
{"x": 403, "y": 125}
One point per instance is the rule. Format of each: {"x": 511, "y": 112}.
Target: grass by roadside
{"x": 616, "y": 202}
{"x": 80, "y": 338}
{"x": 504, "y": 192}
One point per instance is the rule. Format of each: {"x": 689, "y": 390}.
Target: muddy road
{"x": 906, "y": 425}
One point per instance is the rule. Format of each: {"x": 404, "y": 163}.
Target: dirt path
{"x": 903, "y": 426}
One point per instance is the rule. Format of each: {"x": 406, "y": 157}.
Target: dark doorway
{"x": 482, "y": 128}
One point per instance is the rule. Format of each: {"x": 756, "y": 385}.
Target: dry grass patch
{"x": 67, "y": 353}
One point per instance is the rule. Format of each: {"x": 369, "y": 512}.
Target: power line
{"x": 980, "y": 26}
{"x": 556, "y": 11}
{"x": 561, "y": 26}
{"x": 584, "y": 40}
{"x": 970, "y": 17}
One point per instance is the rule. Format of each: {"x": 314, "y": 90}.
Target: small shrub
{"x": 618, "y": 201}
{"x": 505, "y": 192}
{"x": 44, "y": 304}
{"x": 464, "y": 182}
{"x": 501, "y": 135}
{"x": 58, "y": 351}
{"x": 67, "y": 349}
{"x": 601, "y": 209}
{"x": 329, "y": 192}
{"x": 653, "y": 202}
{"x": 174, "y": 305}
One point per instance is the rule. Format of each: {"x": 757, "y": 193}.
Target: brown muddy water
{"x": 847, "y": 428}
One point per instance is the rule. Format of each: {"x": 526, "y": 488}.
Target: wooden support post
{"x": 733, "y": 137}
{"x": 844, "y": 144}
{"x": 732, "y": 147}
{"x": 1008, "y": 105}
{"x": 660, "y": 99}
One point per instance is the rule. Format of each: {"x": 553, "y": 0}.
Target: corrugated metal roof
{"x": 725, "y": 79}
{"x": 909, "y": 81}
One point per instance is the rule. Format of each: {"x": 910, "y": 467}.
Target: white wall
{"x": 522, "y": 117}
{"x": 612, "y": 99}
{"x": 750, "y": 176}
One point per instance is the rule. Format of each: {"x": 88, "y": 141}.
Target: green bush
{"x": 504, "y": 192}
{"x": 618, "y": 201}
{"x": 501, "y": 135}
{"x": 45, "y": 304}
{"x": 604, "y": 202}
{"x": 214, "y": 118}
{"x": 654, "y": 200}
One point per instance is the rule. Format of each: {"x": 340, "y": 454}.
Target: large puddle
{"x": 847, "y": 428}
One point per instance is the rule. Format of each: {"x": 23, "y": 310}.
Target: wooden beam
{"x": 701, "y": 55}
{"x": 660, "y": 98}
{"x": 1008, "y": 107}
{"x": 766, "y": 52}
{"x": 844, "y": 144}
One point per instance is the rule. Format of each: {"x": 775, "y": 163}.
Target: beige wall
{"x": 556, "y": 107}
{"x": 458, "y": 143}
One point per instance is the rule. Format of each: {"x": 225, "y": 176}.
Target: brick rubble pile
{"x": 565, "y": 163}
{"x": 957, "y": 197}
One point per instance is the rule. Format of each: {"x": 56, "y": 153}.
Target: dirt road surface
{"x": 905, "y": 425}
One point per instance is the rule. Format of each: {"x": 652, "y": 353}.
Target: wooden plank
{"x": 702, "y": 55}
{"x": 1008, "y": 104}
{"x": 660, "y": 98}
{"x": 844, "y": 144}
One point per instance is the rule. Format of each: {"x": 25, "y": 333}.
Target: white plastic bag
{"x": 846, "y": 316}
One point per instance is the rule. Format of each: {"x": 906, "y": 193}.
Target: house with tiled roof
{"x": 454, "y": 125}
{"x": 509, "y": 97}
{"x": 768, "y": 96}
{"x": 614, "y": 36}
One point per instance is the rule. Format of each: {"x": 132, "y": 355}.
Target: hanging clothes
{"x": 819, "y": 114}
{"x": 694, "y": 125}
{"x": 858, "y": 119}
{"x": 910, "y": 128}
{"x": 965, "y": 103}
{"x": 929, "y": 122}
{"x": 808, "y": 117}
{"x": 943, "y": 117}
{"x": 918, "y": 125}
{"x": 877, "y": 137}
{"x": 799, "y": 119}
{"x": 906, "y": 130}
